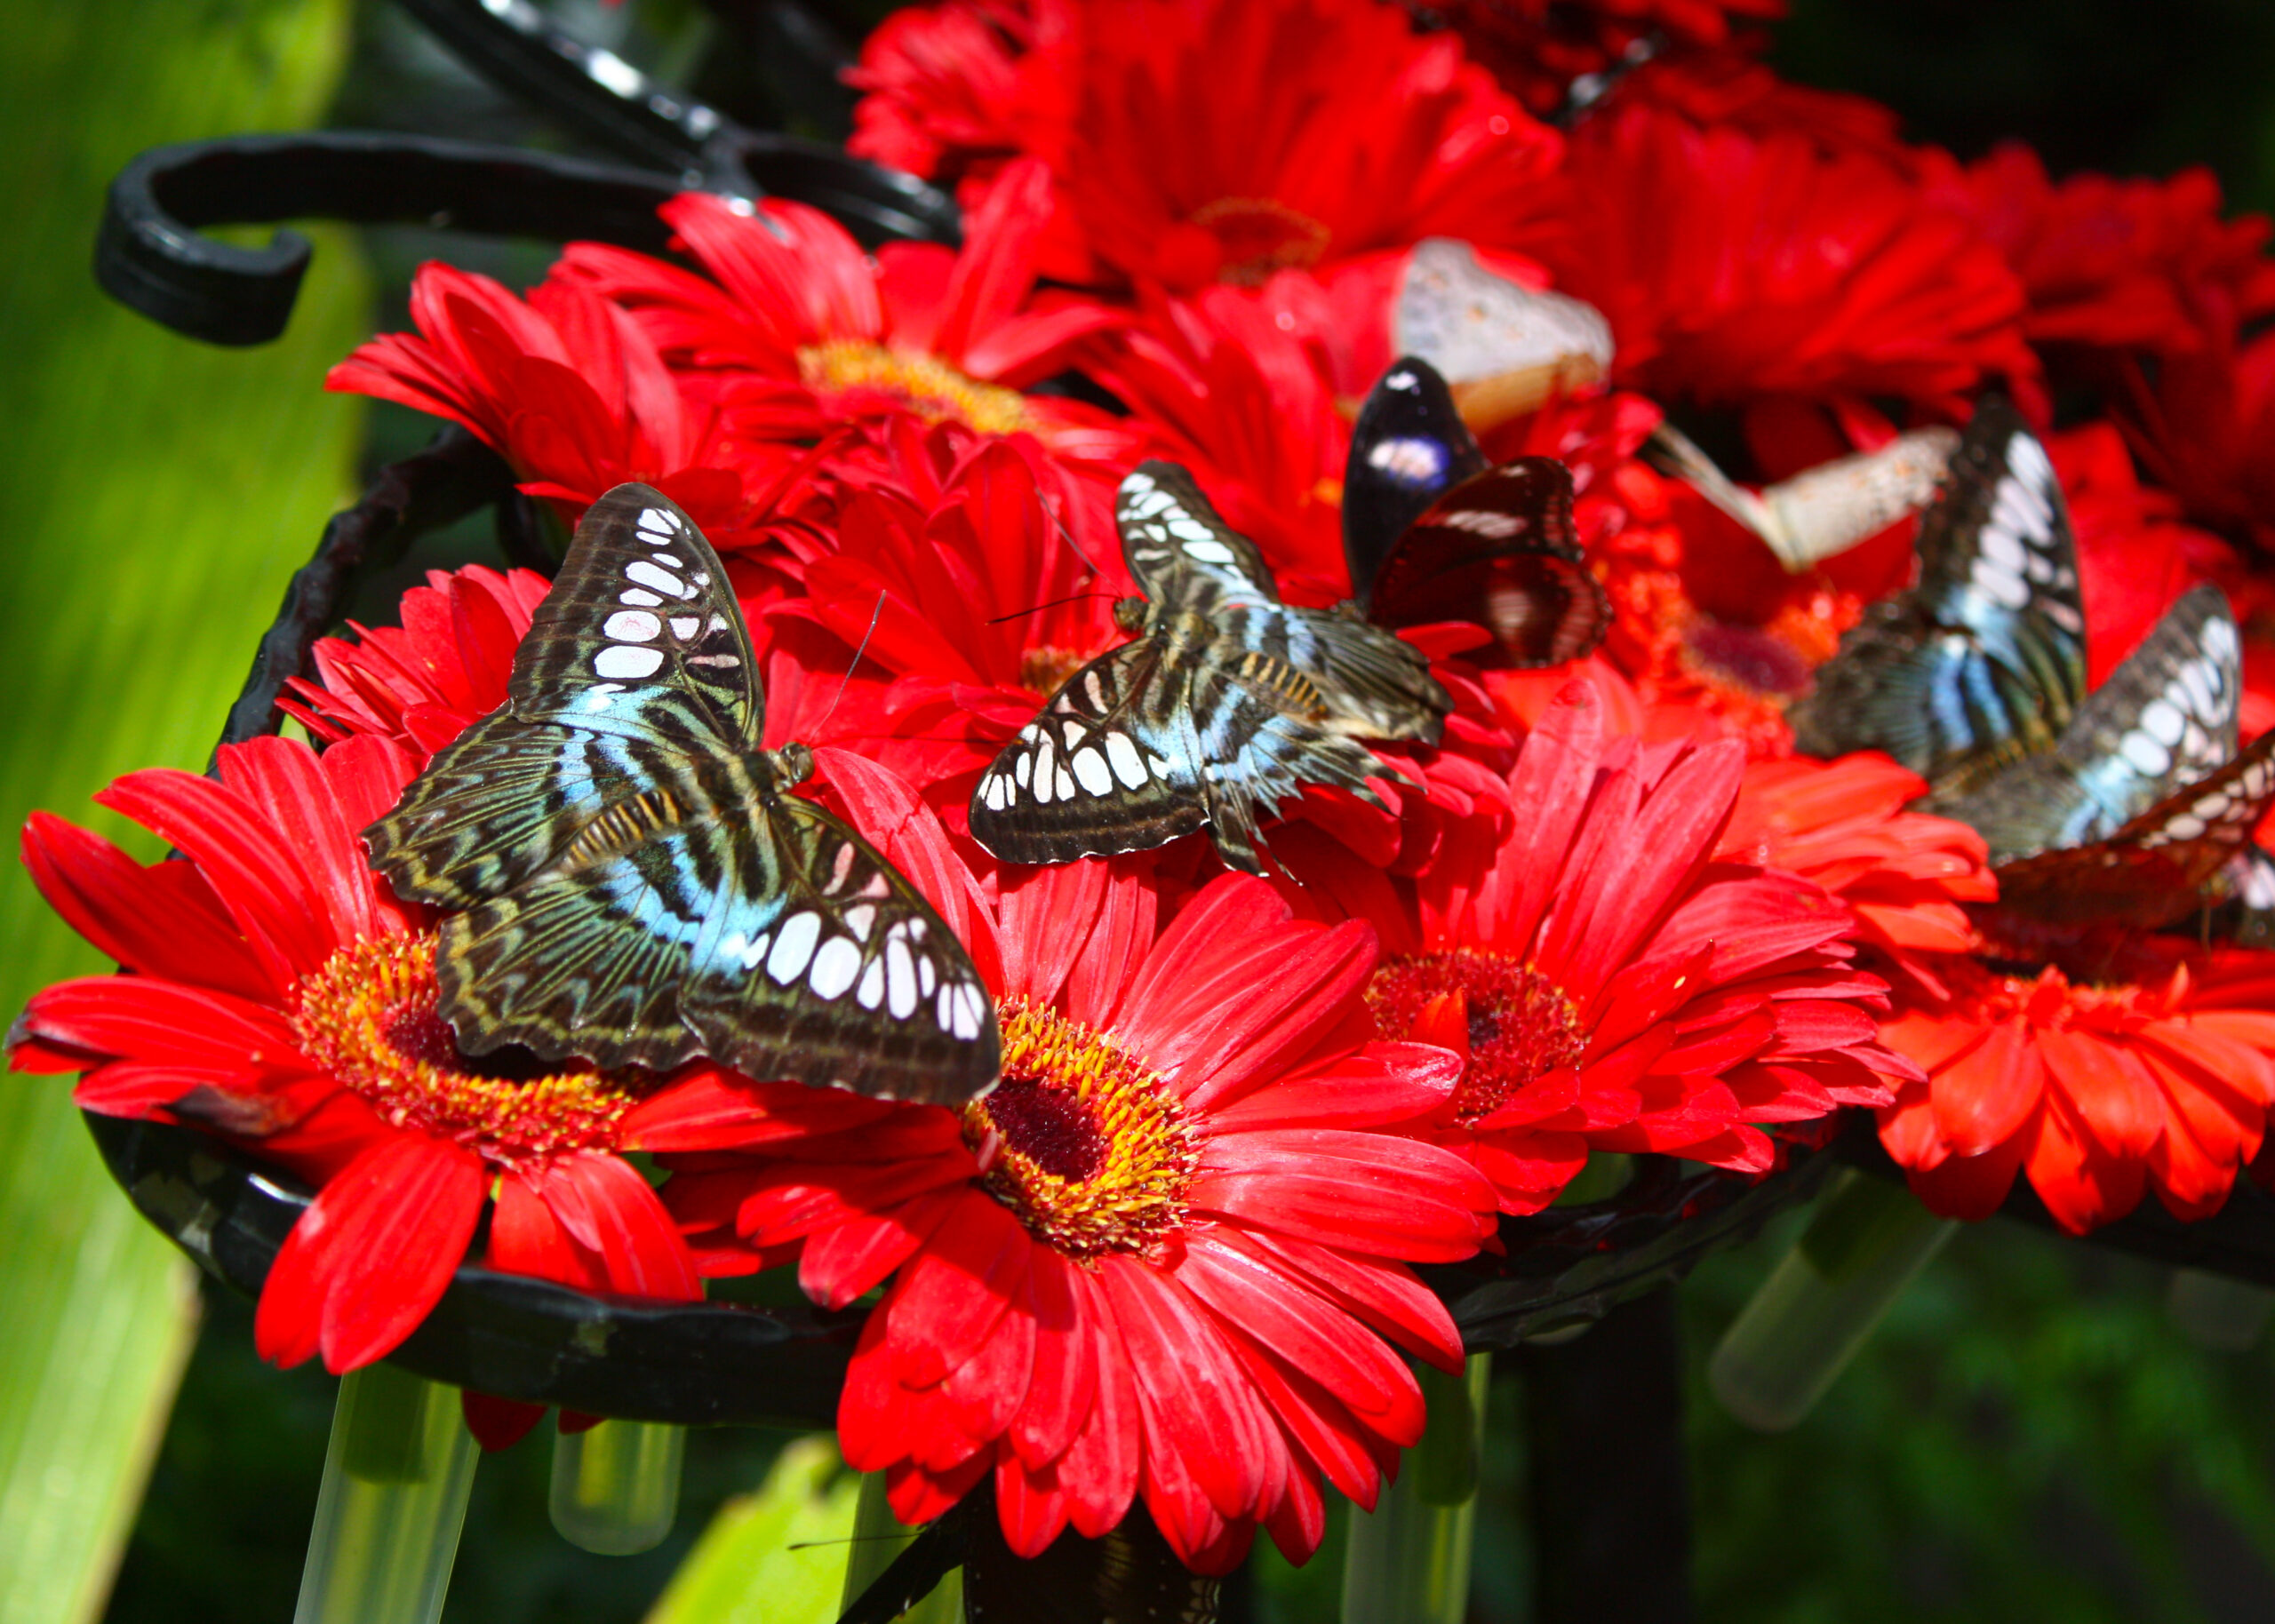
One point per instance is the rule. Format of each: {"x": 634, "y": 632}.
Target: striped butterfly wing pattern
{"x": 1227, "y": 704}
{"x": 633, "y": 882}
{"x": 1981, "y": 661}
{"x": 1433, "y": 532}
{"x": 2142, "y": 807}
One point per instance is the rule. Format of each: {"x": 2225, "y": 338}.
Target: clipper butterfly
{"x": 1227, "y": 704}
{"x": 634, "y": 883}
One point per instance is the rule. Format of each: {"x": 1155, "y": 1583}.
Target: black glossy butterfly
{"x": 635, "y": 883}
{"x": 1982, "y": 660}
{"x": 1433, "y": 532}
{"x": 1130, "y": 1576}
{"x": 1225, "y": 706}
{"x": 2141, "y": 809}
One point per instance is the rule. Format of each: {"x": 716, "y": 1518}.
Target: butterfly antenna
{"x": 874, "y": 615}
{"x": 1075, "y": 546}
{"x": 1054, "y": 603}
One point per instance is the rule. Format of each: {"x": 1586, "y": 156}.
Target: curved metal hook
{"x": 602, "y": 97}
{"x": 151, "y": 257}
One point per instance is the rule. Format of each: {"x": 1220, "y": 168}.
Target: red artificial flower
{"x": 2134, "y": 264}
{"x": 1156, "y": 1259}
{"x": 796, "y": 329}
{"x": 423, "y": 683}
{"x": 1735, "y": 267}
{"x": 959, "y": 87}
{"x": 1906, "y": 876}
{"x": 565, "y": 386}
{"x": 1350, "y": 134}
{"x": 1727, "y": 88}
{"x": 2159, "y": 1077}
{"x": 1612, "y": 984}
{"x": 276, "y": 993}
{"x": 2207, "y": 430}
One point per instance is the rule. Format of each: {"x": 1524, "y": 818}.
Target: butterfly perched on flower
{"x": 634, "y": 883}
{"x": 2137, "y": 813}
{"x": 1227, "y": 704}
{"x": 1433, "y": 532}
{"x": 1982, "y": 660}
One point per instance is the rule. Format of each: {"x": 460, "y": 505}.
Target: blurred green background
{"x": 2026, "y": 1437}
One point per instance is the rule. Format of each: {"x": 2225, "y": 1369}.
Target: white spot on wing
{"x": 900, "y": 980}
{"x": 638, "y": 598}
{"x": 792, "y": 946}
{"x": 684, "y": 627}
{"x": 872, "y": 989}
{"x": 648, "y": 575}
{"x": 1128, "y": 766}
{"x": 631, "y": 627}
{"x": 628, "y": 661}
{"x": 1090, "y": 767}
{"x": 834, "y": 966}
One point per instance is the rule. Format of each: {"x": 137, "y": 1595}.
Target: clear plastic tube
{"x": 2215, "y": 1312}
{"x": 1866, "y": 1240}
{"x": 878, "y": 1537}
{"x": 615, "y": 1486}
{"x": 1408, "y": 1562}
{"x": 395, "y": 1479}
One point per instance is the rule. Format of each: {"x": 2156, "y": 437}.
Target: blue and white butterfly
{"x": 633, "y": 882}
{"x": 1227, "y": 704}
{"x": 1982, "y": 660}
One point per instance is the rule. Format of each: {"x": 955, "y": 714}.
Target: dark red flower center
{"x": 1081, "y": 1139}
{"x": 925, "y": 384}
{"x": 1515, "y": 1024}
{"x": 1748, "y": 657}
{"x": 1258, "y": 235}
{"x": 369, "y": 1017}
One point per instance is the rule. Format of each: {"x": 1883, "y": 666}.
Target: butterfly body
{"x": 633, "y": 882}
{"x": 1432, "y": 531}
{"x": 1224, "y": 706}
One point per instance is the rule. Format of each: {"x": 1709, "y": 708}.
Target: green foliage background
{"x": 2027, "y": 1437}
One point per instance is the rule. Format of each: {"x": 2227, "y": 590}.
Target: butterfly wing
{"x": 1140, "y": 748}
{"x": 641, "y": 599}
{"x": 1110, "y": 764}
{"x": 1130, "y": 1576}
{"x": 2245, "y": 912}
{"x": 1408, "y": 448}
{"x": 781, "y": 945}
{"x": 2166, "y": 718}
{"x": 1180, "y": 553}
{"x": 1499, "y": 549}
{"x": 2159, "y": 867}
{"x": 1822, "y": 511}
{"x": 1982, "y": 660}
{"x": 1507, "y": 348}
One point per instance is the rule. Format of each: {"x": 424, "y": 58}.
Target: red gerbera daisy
{"x": 2161, "y": 1076}
{"x": 797, "y": 329}
{"x": 1734, "y": 267}
{"x": 1352, "y": 134}
{"x": 565, "y": 386}
{"x": 2207, "y": 430}
{"x": 2115, "y": 264}
{"x": 1148, "y": 1262}
{"x": 1611, "y": 984}
{"x": 277, "y": 993}
{"x": 954, "y": 88}
{"x": 424, "y": 682}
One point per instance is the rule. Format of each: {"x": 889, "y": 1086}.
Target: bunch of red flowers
{"x": 1168, "y": 1257}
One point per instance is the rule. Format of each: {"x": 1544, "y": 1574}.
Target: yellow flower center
{"x": 1090, "y": 1148}
{"x": 369, "y": 1018}
{"x": 1518, "y": 1024}
{"x": 924, "y": 384}
{"x": 1044, "y": 669}
{"x": 1258, "y": 235}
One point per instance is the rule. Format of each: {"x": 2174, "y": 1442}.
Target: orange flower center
{"x": 369, "y": 1018}
{"x": 1044, "y": 669}
{"x": 924, "y": 384}
{"x": 1515, "y": 1024}
{"x": 1089, "y": 1146}
{"x": 1258, "y": 235}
